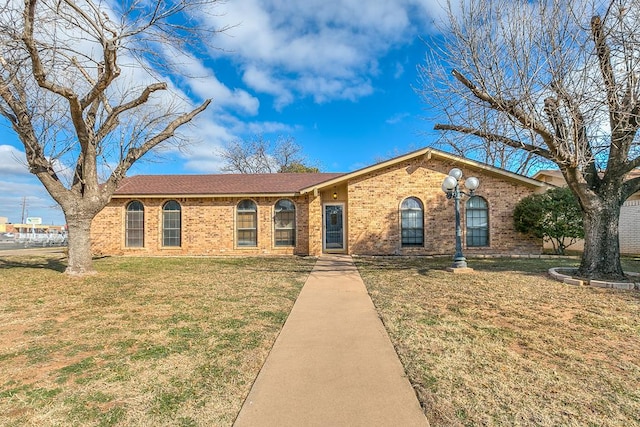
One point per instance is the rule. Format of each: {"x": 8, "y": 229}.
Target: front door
{"x": 334, "y": 227}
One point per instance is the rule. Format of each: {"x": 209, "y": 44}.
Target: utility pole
{"x": 24, "y": 206}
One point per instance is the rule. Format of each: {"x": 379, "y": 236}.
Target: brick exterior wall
{"x": 372, "y": 217}
{"x": 374, "y": 211}
{"x": 208, "y": 228}
{"x": 315, "y": 225}
{"x": 630, "y": 227}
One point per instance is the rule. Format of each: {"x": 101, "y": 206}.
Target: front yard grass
{"x": 179, "y": 341}
{"x": 508, "y": 346}
{"x": 145, "y": 342}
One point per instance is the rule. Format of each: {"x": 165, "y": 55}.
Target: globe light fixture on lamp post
{"x": 451, "y": 187}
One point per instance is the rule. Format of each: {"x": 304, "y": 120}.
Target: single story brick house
{"x": 396, "y": 207}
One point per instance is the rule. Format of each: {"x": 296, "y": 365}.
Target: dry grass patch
{"x": 147, "y": 341}
{"x": 507, "y": 346}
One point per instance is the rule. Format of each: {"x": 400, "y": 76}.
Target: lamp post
{"x": 451, "y": 187}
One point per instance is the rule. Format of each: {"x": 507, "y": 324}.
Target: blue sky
{"x": 337, "y": 76}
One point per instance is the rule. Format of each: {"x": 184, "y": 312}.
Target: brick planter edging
{"x": 565, "y": 278}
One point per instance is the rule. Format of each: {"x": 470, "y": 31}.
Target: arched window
{"x": 285, "y": 223}
{"x": 411, "y": 222}
{"x": 247, "y": 223}
{"x": 477, "y": 212}
{"x": 171, "y": 223}
{"x": 134, "y": 225}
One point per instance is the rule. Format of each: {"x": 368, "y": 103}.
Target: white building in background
{"x": 629, "y": 214}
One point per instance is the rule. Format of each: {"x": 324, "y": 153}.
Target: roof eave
{"x": 203, "y": 195}
{"x": 428, "y": 153}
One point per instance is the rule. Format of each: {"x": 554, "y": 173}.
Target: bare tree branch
{"x": 604, "y": 59}
{"x": 497, "y": 138}
{"x": 259, "y": 155}
{"x": 511, "y": 108}
{"x": 112, "y": 119}
{"x": 559, "y": 79}
{"x": 60, "y": 63}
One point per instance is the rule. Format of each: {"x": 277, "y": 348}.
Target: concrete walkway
{"x": 333, "y": 363}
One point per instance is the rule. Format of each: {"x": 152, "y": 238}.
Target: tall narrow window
{"x": 411, "y": 222}
{"x": 477, "y": 222}
{"x": 171, "y": 224}
{"x": 285, "y": 223}
{"x": 134, "y": 225}
{"x": 247, "y": 223}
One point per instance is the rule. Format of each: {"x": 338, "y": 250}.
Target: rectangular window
{"x": 477, "y": 227}
{"x": 134, "y": 229}
{"x": 285, "y": 233}
{"x": 412, "y": 230}
{"x": 413, "y": 237}
{"x": 171, "y": 228}
{"x": 247, "y": 230}
{"x": 285, "y": 238}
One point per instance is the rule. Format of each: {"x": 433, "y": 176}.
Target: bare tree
{"x": 556, "y": 79}
{"x": 490, "y": 152}
{"x": 259, "y": 155}
{"x": 81, "y": 125}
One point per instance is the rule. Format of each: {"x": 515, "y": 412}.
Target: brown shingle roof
{"x": 223, "y": 184}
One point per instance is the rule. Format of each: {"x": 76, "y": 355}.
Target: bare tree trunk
{"x": 53, "y": 86}
{"x": 601, "y": 257}
{"x": 80, "y": 257}
{"x": 557, "y": 79}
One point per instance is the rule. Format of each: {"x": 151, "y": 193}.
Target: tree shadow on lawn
{"x": 528, "y": 266}
{"x": 428, "y": 263}
{"x": 425, "y": 265}
{"x": 55, "y": 264}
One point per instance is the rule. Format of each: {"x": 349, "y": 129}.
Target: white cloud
{"x": 206, "y": 139}
{"x": 314, "y": 49}
{"x": 397, "y": 118}
{"x": 261, "y": 81}
{"x": 323, "y": 50}
{"x": 324, "y": 89}
{"x": 12, "y": 161}
{"x": 203, "y": 157}
{"x": 399, "y": 71}
{"x": 204, "y": 84}
{"x": 258, "y": 128}
{"x": 21, "y": 189}
{"x": 18, "y": 186}
{"x": 223, "y": 97}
